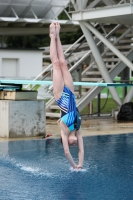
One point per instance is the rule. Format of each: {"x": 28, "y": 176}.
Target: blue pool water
{"x": 38, "y": 170}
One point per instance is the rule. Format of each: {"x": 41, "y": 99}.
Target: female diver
{"x": 64, "y": 95}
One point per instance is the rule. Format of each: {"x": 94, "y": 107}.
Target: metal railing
{"x": 99, "y": 3}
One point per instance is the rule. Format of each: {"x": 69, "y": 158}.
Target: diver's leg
{"x": 68, "y": 81}
{"x": 58, "y": 82}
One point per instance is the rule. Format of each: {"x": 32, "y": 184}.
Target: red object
{"x": 48, "y": 135}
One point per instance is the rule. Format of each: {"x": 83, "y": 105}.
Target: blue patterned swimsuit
{"x": 69, "y": 112}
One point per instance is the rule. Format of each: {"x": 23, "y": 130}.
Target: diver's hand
{"x": 75, "y": 166}
{"x": 79, "y": 167}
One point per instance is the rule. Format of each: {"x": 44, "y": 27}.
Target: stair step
{"x": 111, "y": 59}
{"x": 93, "y": 73}
{"x": 110, "y": 66}
{"x": 124, "y": 47}
{"x": 91, "y": 79}
{"x": 125, "y": 41}
{"x": 86, "y": 87}
{"x": 51, "y": 114}
{"x": 129, "y": 35}
{"x": 54, "y": 107}
{"x": 46, "y": 63}
{"x": 111, "y": 53}
{"x": 82, "y": 93}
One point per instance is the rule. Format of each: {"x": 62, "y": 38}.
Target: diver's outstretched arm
{"x": 64, "y": 136}
{"x": 66, "y": 150}
{"x": 81, "y": 148}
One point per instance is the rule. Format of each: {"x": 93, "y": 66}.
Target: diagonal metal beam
{"x": 67, "y": 14}
{"x": 129, "y": 96}
{"x": 45, "y": 11}
{"x": 109, "y": 45}
{"x": 14, "y": 13}
{"x": 74, "y": 4}
{"x": 33, "y": 13}
{"x": 98, "y": 44}
{"x": 26, "y": 10}
{"x": 96, "y": 90}
{"x": 100, "y": 63}
{"x": 6, "y": 10}
{"x": 109, "y": 2}
{"x": 94, "y": 3}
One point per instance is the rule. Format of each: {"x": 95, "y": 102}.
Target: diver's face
{"x": 72, "y": 140}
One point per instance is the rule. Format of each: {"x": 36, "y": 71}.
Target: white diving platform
{"x": 115, "y": 14}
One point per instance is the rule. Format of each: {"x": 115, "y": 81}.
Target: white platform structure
{"x": 115, "y": 14}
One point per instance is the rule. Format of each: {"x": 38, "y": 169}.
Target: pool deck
{"x": 90, "y": 127}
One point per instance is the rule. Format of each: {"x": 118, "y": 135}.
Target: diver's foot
{"x": 52, "y": 30}
{"x": 57, "y": 28}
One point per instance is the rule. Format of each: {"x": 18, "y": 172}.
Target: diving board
{"x": 34, "y": 82}
{"x": 9, "y": 86}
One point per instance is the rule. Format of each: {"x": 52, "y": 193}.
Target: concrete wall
{"x": 20, "y": 63}
{"x": 22, "y": 118}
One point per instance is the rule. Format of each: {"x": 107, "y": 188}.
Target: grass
{"x": 118, "y": 89}
{"x": 106, "y": 106}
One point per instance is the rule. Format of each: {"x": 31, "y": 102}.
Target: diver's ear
{"x": 61, "y": 140}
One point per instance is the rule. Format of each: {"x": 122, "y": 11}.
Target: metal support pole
{"x": 91, "y": 107}
{"x": 125, "y": 77}
{"x": 129, "y": 96}
{"x": 98, "y": 104}
{"x": 80, "y": 88}
{"x": 100, "y": 63}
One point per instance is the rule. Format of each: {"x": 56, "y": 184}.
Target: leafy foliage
{"x": 27, "y": 41}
